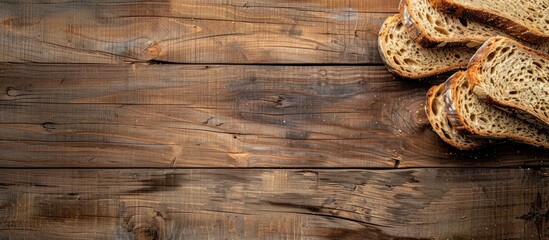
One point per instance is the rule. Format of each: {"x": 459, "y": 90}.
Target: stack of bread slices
{"x": 501, "y": 91}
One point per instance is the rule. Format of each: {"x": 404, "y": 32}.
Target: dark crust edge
{"x": 431, "y": 95}
{"x": 414, "y": 29}
{"x": 459, "y": 123}
{"x": 501, "y": 22}
{"x": 450, "y": 100}
{"x": 462, "y": 123}
{"x": 381, "y": 34}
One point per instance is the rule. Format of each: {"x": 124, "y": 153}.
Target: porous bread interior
{"x": 483, "y": 119}
{"x": 438, "y": 118}
{"x": 513, "y": 76}
{"x": 405, "y": 55}
{"x": 444, "y": 26}
{"x": 532, "y": 13}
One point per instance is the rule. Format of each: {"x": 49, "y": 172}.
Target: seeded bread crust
{"x": 497, "y": 18}
{"x": 434, "y": 108}
{"x": 484, "y": 84}
{"x": 406, "y": 58}
{"x": 474, "y": 117}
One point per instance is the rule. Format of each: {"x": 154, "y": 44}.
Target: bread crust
{"x": 431, "y": 97}
{"x": 390, "y": 64}
{"x": 473, "y": 76}
{"x": 450, "y": 89}
{"x": 415, "y": 30}
{"x": 458, "y": 121}
{"x": 420, "y": 35}
{"x": 380, "y": 47}
{"x": 498, "y": 20}
{"x": 449, "y": 100}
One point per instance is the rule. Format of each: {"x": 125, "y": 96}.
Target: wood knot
{"x": 146, "y": 232}
{"x": 153, "y": 50}
{"x": 280, "y": 101}
{"x": 12, "y": 92}
{"x": 148, "y": 227}
{"x": 49, "y": 126}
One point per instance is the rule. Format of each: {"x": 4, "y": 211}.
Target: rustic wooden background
{"x": 228, "y": 119}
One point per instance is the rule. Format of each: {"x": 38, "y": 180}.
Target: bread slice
{"x": 468, "y": 112}
{"x": 408, "y": 59}
{"x": 438, "y": 119}
{"x": 527, "y": 20}
{"x": 512, "y": 76}
{"x": 433, "y": 28}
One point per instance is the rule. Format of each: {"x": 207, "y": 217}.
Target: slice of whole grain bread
{"x": 468, "y": 112}
{"x": 512, "y": 76}
{"x": 433, "y": 28}
{"x": 406, "y": 58}
{"x": 436, "y": 113}
{"x": 527, "y": 20}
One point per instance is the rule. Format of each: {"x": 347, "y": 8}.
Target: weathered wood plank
{"x": 225, "y": 116}
{"x": 274, "y": 204}
{"x": 192, "y": 31}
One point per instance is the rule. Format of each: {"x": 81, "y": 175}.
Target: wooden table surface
{"x": 236, "y": 119}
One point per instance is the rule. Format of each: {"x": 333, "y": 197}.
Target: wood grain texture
{"x": 104, "y": 124}
{"x": 210, "y": 31}
{"x": 225, "y": 116}
{"x": 275, "y": 204}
